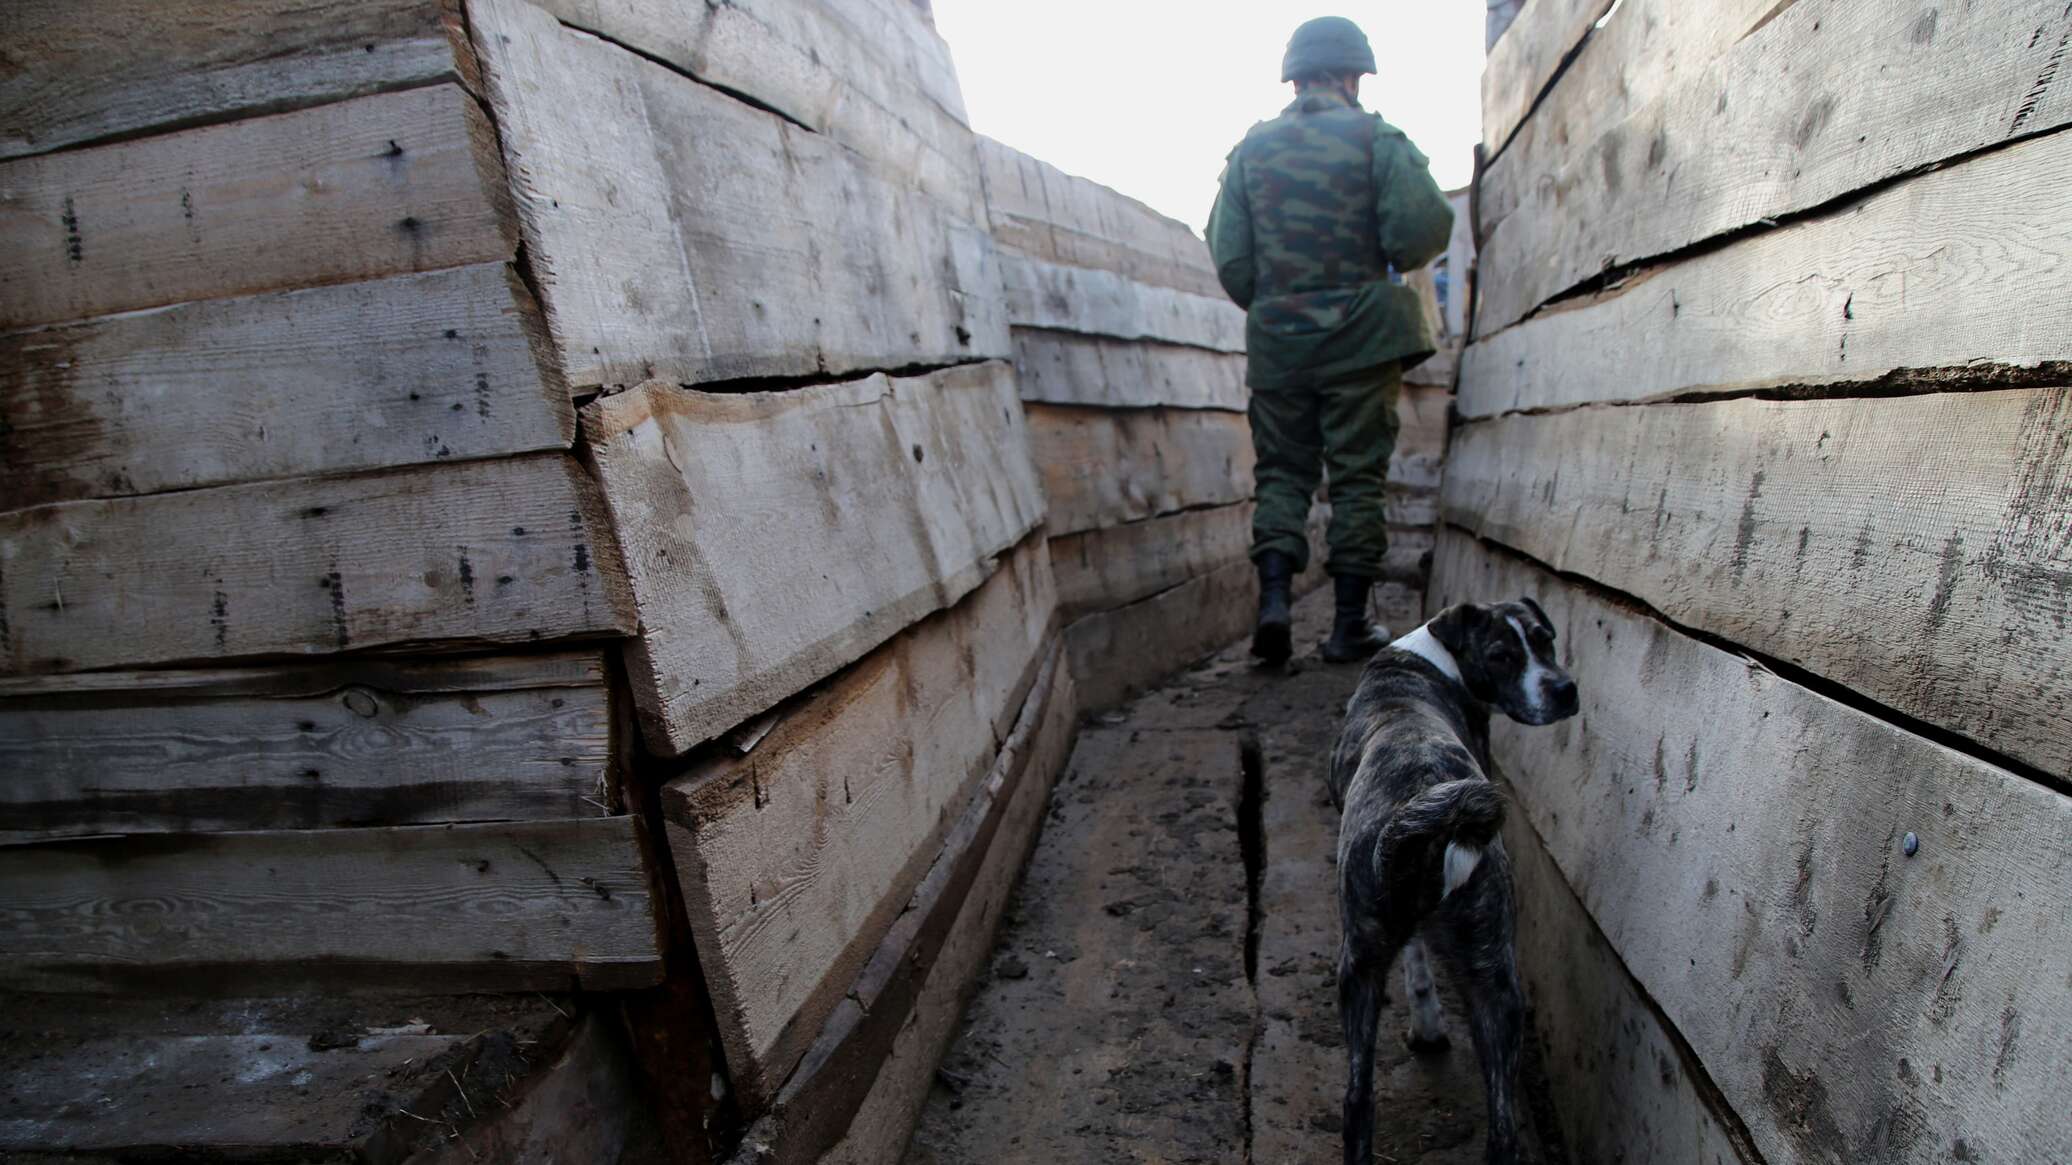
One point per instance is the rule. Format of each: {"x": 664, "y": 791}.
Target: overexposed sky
{"x": 1147, "y": 96}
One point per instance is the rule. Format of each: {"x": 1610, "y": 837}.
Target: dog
{"x": 1419, "y": 860}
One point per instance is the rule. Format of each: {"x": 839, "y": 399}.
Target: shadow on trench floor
{"x": 1163, "y": 986}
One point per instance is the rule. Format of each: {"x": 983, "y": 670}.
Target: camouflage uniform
{"x": 1317, "y": 210}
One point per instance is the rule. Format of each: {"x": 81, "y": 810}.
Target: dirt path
{"x": 1163, "y": 986}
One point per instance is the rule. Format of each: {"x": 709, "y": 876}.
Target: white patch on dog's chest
{"x": 1426, "y": 646}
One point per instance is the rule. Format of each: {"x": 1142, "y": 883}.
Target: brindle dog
{"x": 1419, "y": 860}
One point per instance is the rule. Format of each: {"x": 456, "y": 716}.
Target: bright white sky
{"x": 1148, "y": 95}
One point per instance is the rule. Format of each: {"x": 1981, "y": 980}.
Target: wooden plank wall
{"x": 1791, "y": 482}
{"x": 484, "y": 479}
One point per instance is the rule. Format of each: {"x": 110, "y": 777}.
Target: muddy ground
{"x": 1163, "y": 987}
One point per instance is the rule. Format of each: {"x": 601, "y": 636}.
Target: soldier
{"x": 1318, "y": 211}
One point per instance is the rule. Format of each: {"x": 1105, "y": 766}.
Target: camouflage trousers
{"x": 1341, "y": 430}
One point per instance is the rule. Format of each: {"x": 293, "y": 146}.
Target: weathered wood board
{"x": 1044, "y": 213}
{"x": 509, "y": 551}
{"x": 1102, "y": 303}
{"x": 1119, "y": 654}
{"x": 871, "y": 74}
{"x": 1421, "y": 435}
{"x": 677, "y": 233}
{"x": 1828, "y": 97}
{"x": 1526, "y": 59}
{"x": 1918, "y": 276}
{"x": 368, "y": 375}
{"x": 533, "y": 905}
{"x": 82, "y": 70}
{"x": 795, "y": 858}
{"x": 309, "y": 1077}
{"x": 1103, "y": 467}
{"x": 860, "y": 1088}
{"x": 877, "y": 501}
{"x": 1067, "y": 368}
{"x": 375, "y": 186}
{"x": 361, "y": 742}
{"x": 1644, "y": 49}
{"x": 1101, "y": 569}
{"x": 1111, "y": 567}
{"x": 1621, "y": 1080}
{"x": 1913, "y": 549}
{"x": 1739, "y": 840}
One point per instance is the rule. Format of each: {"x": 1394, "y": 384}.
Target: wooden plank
{"x": 794, "y": 859}
{"x": 1112, "y": 567}
{"x": 375, "y": 186}
{"x": 80, "y": 72}
{"x": 871, "y": 74}
{"x": 873, "y": 502}
{"x": 1828, "y": 97}
{"x": 368, "y": 375}
{"x": 1911, "y": 548}
{"x": 1119, "y": 654}
{"x": 295, "y": 1078}
{"x": 578, "y": 1107}
{"x": 1916, "y": 276}
{"x": 1066, "y": 368}
{"x": 1625, "y": 1088}
{"x": 511, "y": 551}
{"x": 1098, "y": 570}
{"x": 859, "y": 1091}
{"x": 1102, "y": 303}
{"x": 532, "y": 905}
{"x": 1526, "y": 59}
{"x": 677, "y": 233}
{"x": 1044, "y": 213}
{"x": 1643, "y": 49}
{"x": 1103, "y": 467}
{"x": 1739, "y": 840}
{"x": 324, "y": 748}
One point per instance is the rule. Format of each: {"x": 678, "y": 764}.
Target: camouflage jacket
{"x": 1316, "y": 211}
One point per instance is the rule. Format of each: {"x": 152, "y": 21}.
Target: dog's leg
{"x": 1360, "y": 996}
{"x": 1478, "y": 944}
{"x": 1427, "y": 1029}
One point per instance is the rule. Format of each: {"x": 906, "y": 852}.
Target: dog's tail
{"x": 1435, "y": 841}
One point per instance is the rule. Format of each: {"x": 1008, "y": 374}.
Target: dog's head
{"x": 1506, "y": 656}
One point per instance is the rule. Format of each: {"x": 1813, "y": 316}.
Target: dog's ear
{"x": 1538, "y": 614}
{"x": 1452, "y": 626}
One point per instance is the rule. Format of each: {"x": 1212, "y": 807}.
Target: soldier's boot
{"x": 1353, "y": 638}
{"x": 1273, "y": 640}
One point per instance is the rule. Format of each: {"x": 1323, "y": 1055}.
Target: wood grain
{"x": 679, "y": 234}
{"x": 396, "y": 371}
{"x": 1102, "y": 303}
{"x": 537, "y": 905}
{"x": 859, "y": 1089}
{"x": 874, "y": 502}
{"x": 1916, "y": 276}
{"x": 1044, "y": 213}
{"x": 1913, "y": 549}
{"x": 1644, "y": 49}
{"x": 375, "y": 186}
{"x": 796, "y": 858}
{"x": 1739, "y": 840}
{"x": 511, "y": 551}
{"x": 1827, "y": 98}
{"x": 82, "y": 70}
{"x": 1103, "y": 467}
{"x": 870, "y": 74}
{"x": 1622, "y": 1082}
{"x": 1525, "y": 59}
{"x": 1119, "y": 654}
{"x": 1111, "y": 567}
{"x": 1067, "y": 368}
{"x": 314, "y": 747}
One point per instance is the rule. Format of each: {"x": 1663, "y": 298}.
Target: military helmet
{"x": 1328, "y": 44}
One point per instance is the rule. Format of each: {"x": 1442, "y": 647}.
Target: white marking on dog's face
{"x": 1423, "y": 644}
{"x": 1538, "y": 681}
